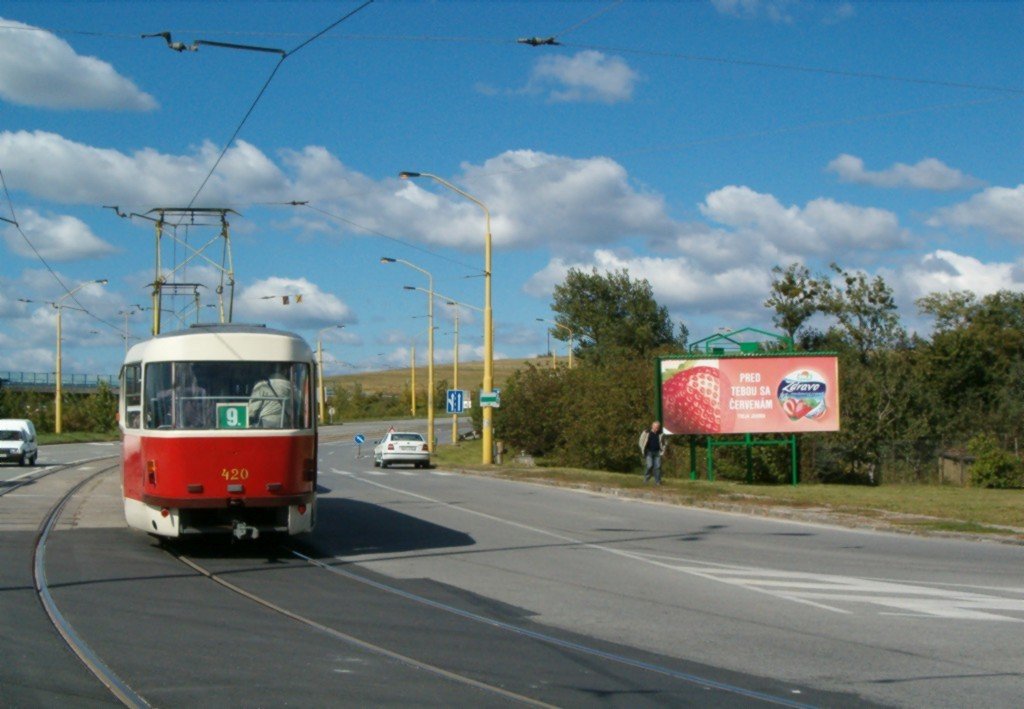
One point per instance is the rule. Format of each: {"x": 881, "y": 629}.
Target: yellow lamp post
{"x": 488, "y": 383}
{"x": 412, "y": 376}
{"x": 430, "y": 343}
{"x": 320, "y": 367}
{"x": 59, "y": 306}
{"x": 567, "y": 329}
{"x": 455, "y": 365}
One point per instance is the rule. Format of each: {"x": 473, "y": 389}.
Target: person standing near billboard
{"x": 652, "y": 447}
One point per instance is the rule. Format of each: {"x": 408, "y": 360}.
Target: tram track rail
{"x": 93, "y": 662}
{"x": 31, "y": 476}
{"x": 358, "y": 642}
{"x": 572, "y": 646}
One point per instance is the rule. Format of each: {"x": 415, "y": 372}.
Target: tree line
{"x": 906, "y": 397}
{"x": 95, "y": 412}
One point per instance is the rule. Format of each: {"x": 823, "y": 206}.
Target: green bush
{"x": 532, "y": 417}
{"x": 587, "y": 417}
{"x": 993, "y": 466}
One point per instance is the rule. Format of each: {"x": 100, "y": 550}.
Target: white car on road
{"x": 401, "y": 447}
{"x": 18, "y": 441}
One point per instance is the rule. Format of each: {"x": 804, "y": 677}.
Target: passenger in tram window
{"x": 192, "y": 406}
{"x": 270, "y": 403}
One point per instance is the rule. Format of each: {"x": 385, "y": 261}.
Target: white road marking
{"x": 916, "y": 601}
{"x": 908, "y": 599}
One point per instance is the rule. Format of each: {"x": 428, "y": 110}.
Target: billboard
{"x": 749, "y": 394}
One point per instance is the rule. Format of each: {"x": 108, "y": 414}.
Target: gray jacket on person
{"x": 647, "y": 434}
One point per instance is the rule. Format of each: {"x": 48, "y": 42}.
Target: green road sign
{"x": 232, "y": 416}
{"x": 490, "y": 398}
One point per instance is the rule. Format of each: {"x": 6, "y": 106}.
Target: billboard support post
{"x": 794, "y": 457}
{"x": 749, "y": 450}
{"x": 748, "y": 442}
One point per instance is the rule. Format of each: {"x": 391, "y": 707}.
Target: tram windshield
{"x": 227, "y": 395}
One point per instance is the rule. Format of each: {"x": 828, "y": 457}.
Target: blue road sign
{"x": 360, "y": 439}
{"x": 455, "y": 401}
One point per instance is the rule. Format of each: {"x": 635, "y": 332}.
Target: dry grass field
{"x": 471, "y": 374}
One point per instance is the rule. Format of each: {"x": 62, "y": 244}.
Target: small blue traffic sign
{"x": 454, "y": 400}
{"x": 360, "y": 439}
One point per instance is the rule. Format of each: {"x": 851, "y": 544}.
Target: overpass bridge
{"x": 47, "y": 382}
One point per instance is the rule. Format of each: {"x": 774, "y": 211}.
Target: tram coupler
{"x": 240, "y": 530}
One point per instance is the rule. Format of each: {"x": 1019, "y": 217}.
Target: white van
{"x": 18, "y": 441}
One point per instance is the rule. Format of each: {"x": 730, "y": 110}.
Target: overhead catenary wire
{"x": 588, "y": 18}
{"x": 849, "y": 73}
{"x": 603, "y": 48}
{"x": 262, "y": 91}
{"x": 17, "y": 226}
{"x": 780, "y": 130}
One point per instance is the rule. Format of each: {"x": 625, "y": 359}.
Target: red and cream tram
{"x": 219, "y": 432}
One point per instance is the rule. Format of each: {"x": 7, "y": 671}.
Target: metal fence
{"x": 48, "y": 380}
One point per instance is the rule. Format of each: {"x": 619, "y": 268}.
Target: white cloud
{"x": 928, "y": 174}
{"x": 56, "y": 237}
{"x": 842, "y": 11}
{"x": 585, "y": 76}
{"x": 263, "y": 302}
{"x": 535, "y": 198}
{"x": 998, "y": 210}
{"x": 822, "y": 226}
{"x": 39, "y": 69}
{"x": 774, "y": 10}
{"x": 677, "y": 282}
{"x": 54, "y": 168}
{"x": 942, "y": 271}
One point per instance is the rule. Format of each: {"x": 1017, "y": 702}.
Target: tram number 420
{"x": 235, "y": 474}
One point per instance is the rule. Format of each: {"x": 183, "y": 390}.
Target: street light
{"x": 488, "y": 384}
{"x": 126, "y": 314}
{"x": 59, "y": 391}
{"x": 564, "y": 327}
{"x": 320, "y": 365}
{"x": 430, "y": 343}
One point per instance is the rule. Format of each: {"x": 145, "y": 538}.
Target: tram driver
{"x": 270, "y": 402}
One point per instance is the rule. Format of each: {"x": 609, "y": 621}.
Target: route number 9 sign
{"x": 232, "y": 416}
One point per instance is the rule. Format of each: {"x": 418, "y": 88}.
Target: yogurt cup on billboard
{"x": 802, "y": 394}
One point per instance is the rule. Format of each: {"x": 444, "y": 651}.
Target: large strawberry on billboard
{"x": 691, "y": 399}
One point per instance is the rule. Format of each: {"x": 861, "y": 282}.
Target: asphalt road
{"x": 560, "y": 596}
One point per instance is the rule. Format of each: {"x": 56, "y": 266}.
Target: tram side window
{"x": 131, "y": 392}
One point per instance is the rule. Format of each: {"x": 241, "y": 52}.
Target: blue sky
{"x": 696, "y": 144}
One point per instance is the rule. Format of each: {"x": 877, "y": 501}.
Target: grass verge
{"x": 911, "y": 508}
